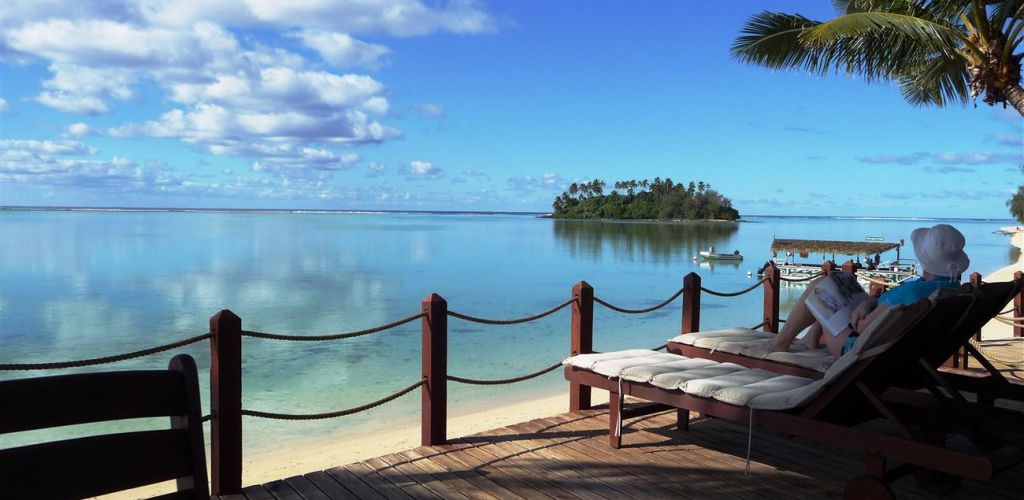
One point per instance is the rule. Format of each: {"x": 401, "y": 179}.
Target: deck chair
{"x": 96, "y": 465}
{"x": 828, "y": 410}
{"x": 749, "y": 348}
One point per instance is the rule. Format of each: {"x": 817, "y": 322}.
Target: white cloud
{"x": 78, "y": 129}
{"x": 430, "y": 110}
{"x": 947, "y": 158}
{"x": 341, "y": 50}
{"x": 30, "y": 147}
{"x": 393, "y": 17}
{"x": 529, "y": 182}
{"x": 3, "y": 105}
{"x": 423, "y": 170}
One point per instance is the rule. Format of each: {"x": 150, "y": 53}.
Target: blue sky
{"x": 460, "y": 105}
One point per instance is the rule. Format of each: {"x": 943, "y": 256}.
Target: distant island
{"x": 643, "y": 200}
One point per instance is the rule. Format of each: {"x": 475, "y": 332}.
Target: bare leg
{"x": 835, "y": 344}
{"x": 813, "y": 338}
{"x": 798, "y": 319}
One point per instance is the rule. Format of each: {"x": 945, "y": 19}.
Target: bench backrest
{"x": 96, "y": 465}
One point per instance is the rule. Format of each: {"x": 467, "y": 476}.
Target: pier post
{"x": 1018, "y": 307}
{"x": 582, "y": 341}
{"x": 849, "y": 267}
{"x": 771, "y": 297}
{"x": 434, "y": 396}
{"x": 828, "y": 267}
{"x": 226, "y": 403}
{"x": 691, "y": 303}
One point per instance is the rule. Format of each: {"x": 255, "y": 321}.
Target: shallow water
{"x": 84, "y": 284}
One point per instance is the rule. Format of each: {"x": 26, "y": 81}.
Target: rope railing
{"x": 333, "y": 414}
{"x": 471, "y": 381}
{"x": 104, "y": 360}
{"x": 337, "y": 336}
{"x": 734, "y": 294}
{"x": 1014, "y": 363}
{"x": 1010, "y": 321}
{"x": 759, "y": 325}
{"x": 869, "y": 279}
{"x": 486, "y": 321}
{"x": 805, "y": 278}
{"x": 644, "y": 310}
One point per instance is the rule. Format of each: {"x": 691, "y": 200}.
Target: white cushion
{"x": 741, "y": 395}
{"x": 644, "y": 373}
{"x": 588, "y": 361}
{"x": 707, "y": 387}
{"x": 612, "y": 368}
{"x": 674, "y": 380}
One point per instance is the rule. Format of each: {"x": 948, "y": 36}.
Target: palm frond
{"x": 929, "y": 35}
{"x": 938, "y": 81}
{"x": 773, "y": 40}
{"x": 909, "y": 7}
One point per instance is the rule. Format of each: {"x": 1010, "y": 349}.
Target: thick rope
{"x": 503, "y": 381}
{"x": 805, "y": 278}
{"x": 1013, "y": 363}
{"x": 733, "y": 294}
{"x": 486, "y": 321}
{"x": 1010, "y": 321}
{"x": 206, "y": 418}
{"x": 759, "y": 325}
{"x": 338, "y": 336}
{"x": 103, "y": 360}
{"x": 641, "y": 311}
{"x": 660, "y": 347}
{"x": 333, "y": 414}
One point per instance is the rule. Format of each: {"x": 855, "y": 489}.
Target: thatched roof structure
{"x": 829, "y": 246}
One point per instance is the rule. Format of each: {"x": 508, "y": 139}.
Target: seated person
{"x": 939, "y": 250}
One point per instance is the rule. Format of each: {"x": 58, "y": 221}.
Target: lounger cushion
{"x": 678, "y": 379}
{"x": 708, "y": 387}
{"x": 614, "y": 367}
{"x": 645, "y": 373}
{"x": 588, "y": 361}
{"x": 742, "y": 395}
{"x": 755, "y": 344}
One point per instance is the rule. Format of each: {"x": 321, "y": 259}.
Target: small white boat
{"x": 710, "y": 254}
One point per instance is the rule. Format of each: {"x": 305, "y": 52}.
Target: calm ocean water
{"x": 85, "y": 284}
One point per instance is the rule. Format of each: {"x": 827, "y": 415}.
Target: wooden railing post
{"x": 434, "y": 399}
{"x": 773, "y": 280}
{"x": 226, "y": 403}
{"x": 691, "y": 303}
{"x": 582, "y": 341}
{"x": 1018, "y": 307}
{"x": 828, "y": 267}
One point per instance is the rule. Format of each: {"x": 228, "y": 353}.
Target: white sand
{"x": 994, "y": 329}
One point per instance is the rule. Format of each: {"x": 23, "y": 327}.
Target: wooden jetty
{"x": 567, "y": 456}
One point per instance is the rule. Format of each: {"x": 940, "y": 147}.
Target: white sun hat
{"x": 940, "y": 250}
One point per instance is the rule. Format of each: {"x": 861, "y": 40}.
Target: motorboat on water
{"x": 710, "y": 254}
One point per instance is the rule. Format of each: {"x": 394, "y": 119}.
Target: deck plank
{"x": 329, "y": 486}
{"x": 306, "y": 489}
{"x": 568, "y": 456}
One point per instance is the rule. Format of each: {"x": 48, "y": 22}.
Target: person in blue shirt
{"x": 940, "y": 253}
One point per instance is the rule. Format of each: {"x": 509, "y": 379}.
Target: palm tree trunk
{"x": 1015, "y": 94}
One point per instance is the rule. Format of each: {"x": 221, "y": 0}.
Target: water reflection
{"x": 643, "y": 241}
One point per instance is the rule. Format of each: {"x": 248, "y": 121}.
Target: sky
{"x": 461, "y": 105}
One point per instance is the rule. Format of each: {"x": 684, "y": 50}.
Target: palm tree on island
{"x": 938, "y": 51}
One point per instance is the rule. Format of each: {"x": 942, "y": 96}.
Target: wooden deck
{"x": 567, "y": 456}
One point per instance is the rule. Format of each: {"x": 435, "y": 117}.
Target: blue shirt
{"x": 913, "y": 291}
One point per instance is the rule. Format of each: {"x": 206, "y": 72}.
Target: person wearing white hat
{"x": 940, "y": 253}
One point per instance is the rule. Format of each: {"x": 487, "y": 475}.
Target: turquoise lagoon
{"x": 82, "y": 284}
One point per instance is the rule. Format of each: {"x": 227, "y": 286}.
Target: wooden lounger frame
{"x": 856, "y": 396}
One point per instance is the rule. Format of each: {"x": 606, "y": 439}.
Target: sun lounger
{"x": 750, "y": 348}
{"x": 97, "y": 465}
{"x": 827, "y": 408}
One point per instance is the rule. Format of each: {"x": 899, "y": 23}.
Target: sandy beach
{"x": 995, "y": 329}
